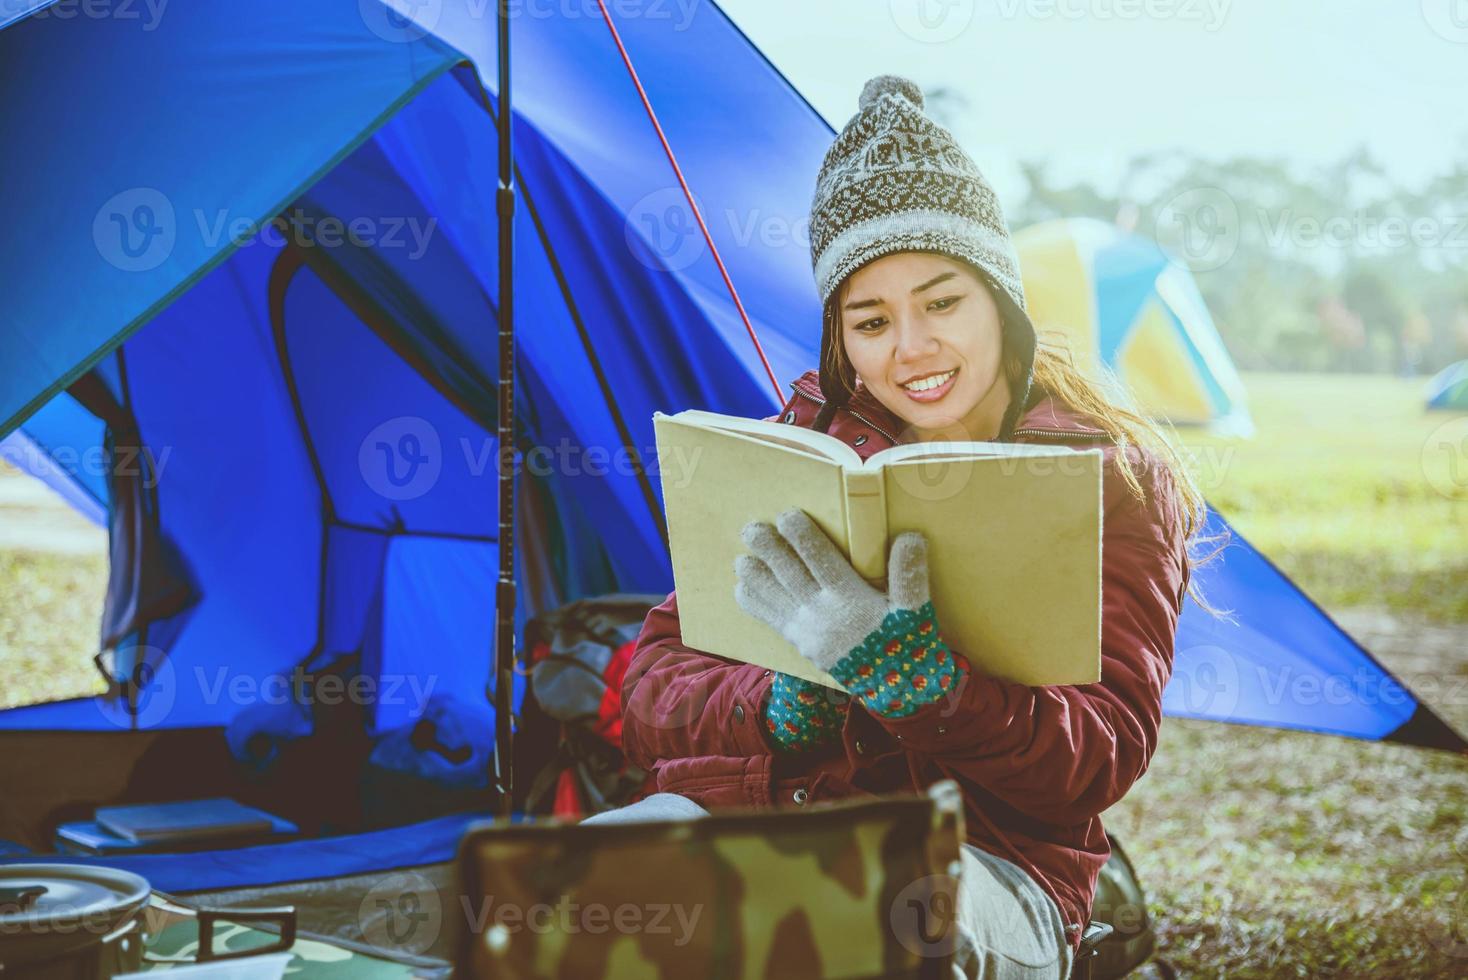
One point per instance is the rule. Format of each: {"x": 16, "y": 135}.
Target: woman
{"x": 926, "y": 337}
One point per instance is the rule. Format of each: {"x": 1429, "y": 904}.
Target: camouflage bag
{"x": 847, "y": 889}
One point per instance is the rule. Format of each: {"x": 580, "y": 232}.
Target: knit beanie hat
{"x": 896, "y": 181}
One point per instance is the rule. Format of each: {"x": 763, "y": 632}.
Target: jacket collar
{"x": 1044, "y": 417}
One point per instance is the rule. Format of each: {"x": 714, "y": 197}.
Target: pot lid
{"x": 43, "y": 903}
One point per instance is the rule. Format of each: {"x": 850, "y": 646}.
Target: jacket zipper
{"x": 1073, "y": 434}
{"x": 857, "y": 415}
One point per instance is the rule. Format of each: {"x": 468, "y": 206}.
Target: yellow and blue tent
{"x": 1121, "y": 302}
{"x": 1448, "y": 389}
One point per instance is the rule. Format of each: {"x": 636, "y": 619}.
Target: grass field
{"x": 1265, "y": 853}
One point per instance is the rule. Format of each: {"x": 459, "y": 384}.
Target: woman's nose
{"x": 914, "y": 341}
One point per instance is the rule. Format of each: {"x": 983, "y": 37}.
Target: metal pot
{"x": 76, "y": 922}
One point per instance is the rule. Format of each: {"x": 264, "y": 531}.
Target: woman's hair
{"x": 1101, "y": 398}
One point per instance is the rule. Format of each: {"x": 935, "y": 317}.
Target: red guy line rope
{"x": 698, "y": 215}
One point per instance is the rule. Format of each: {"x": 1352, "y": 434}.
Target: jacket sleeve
{"x": 1063, "y": 754}
{"x": 679, "y": 703}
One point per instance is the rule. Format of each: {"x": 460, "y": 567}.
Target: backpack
{"x": 1122, "y": 904}
{"x": 577, "y": 655}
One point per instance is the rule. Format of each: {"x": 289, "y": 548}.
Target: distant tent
{"x": 1117, "y": 297}
{"x": 1448, "y": 389}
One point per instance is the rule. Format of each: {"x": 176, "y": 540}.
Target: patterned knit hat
{"x": 895, "y": 181}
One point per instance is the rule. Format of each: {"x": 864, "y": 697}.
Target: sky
{"x": 1085, "y": 84}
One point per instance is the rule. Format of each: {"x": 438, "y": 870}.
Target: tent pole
{"x": 504, "y": 597}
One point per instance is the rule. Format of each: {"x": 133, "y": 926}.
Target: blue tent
{"x": 261, "y": 260}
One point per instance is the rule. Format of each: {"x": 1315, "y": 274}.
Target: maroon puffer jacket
{"x": 1037, "y": 764}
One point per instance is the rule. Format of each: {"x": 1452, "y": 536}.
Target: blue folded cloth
{"x": 257, "y": 734}
{"x": 450, "y": 744}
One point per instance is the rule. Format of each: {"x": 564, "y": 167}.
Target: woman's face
{"x": 925, "y": 338}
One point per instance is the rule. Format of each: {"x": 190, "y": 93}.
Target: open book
{"x": 1014, "y": 537}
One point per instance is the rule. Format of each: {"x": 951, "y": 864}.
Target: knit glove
{"x": 885, "y": 647}
{"x": 801, "y": 715}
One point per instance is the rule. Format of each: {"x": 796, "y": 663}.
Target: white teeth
{"x": 926, "y": 383}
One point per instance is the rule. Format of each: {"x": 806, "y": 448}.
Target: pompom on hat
{"x": 896, "y": 181}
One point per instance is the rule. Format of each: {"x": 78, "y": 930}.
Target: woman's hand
{"x": 885, "y": 647}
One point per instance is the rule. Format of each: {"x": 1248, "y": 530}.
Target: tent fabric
{"x": 189, "y": 116}
{"x": 1280, "y": 661}
{"x": 326, "y": 400}
{"x": 1448, "y": 389}
{"x": 1120, "y": 302}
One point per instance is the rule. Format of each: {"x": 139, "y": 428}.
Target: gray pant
{"x": 1007, "y": 926}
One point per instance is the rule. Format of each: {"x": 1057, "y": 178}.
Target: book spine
{"x": 866, "y": 522}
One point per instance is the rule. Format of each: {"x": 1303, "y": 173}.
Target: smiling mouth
{"x": 929, "y": 383}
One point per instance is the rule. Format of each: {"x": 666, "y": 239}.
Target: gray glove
{"x": 800, "y": 584}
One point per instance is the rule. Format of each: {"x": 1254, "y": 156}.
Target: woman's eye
{"x": 866, "y": 326}
{"x": 944, "y": 303}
